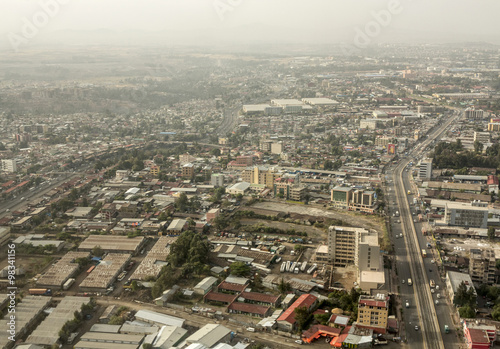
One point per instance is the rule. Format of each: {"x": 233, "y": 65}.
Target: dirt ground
{"x": 352, "y": 218}
{"x": 312, "y": 232}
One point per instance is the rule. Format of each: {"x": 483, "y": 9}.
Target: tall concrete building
{"x": 353, "y": 246}
{"x": 482, "y": 266}
{"x": 465, "y": 215}
{"x": 8, "y": 166}
{"x": 260, "y": 175}
{"x": 217, "y": 179}
{"x": 425, "y": 169}
{"x": 373, "y": 312}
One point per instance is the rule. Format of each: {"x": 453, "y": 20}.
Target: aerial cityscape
{"x": 242, "y": 183}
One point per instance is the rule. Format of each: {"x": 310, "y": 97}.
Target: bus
{"x": 424, "y": 253}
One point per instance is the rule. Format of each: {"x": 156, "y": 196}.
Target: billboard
{"x": 391, "y": 149}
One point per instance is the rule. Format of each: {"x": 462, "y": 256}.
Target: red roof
{"x": 249, "y": 308}
{"x": 219, "y": 297}
{"x": 492, "y": 180}
{"x": 7, "y": 184}
{"x": 259, "y": 297}
{"x": 373, "y": 303}
{"x": 306, "y": 300}
{"x": 231, "y": 287}
{"x": 478, "y": 336}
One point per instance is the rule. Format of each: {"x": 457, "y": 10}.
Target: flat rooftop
{"x": 112, "y": 243}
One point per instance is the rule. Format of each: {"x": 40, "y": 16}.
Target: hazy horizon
{"x": 208, "y": 22}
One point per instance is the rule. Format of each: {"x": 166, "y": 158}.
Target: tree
{"x": 182, "y": 202}
{"x": 466, "y": 312}
{"x": 302, "y": 316}
{"x": 478, "y": 147}
{"x": 464, "y": 296}
{"x": 284, "y": 287}
{"x": 220, "y": 223}
{"x": 239, "y": 268}
{"x": 495, "y": 314}
{"x": 97, "y": 251}
{"x": 491, "y": 233}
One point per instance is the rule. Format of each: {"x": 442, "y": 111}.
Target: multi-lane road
{"x": 424, "y": 319}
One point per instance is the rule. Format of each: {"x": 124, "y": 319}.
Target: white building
{"x": 465, "y": 215}
{"x": 277, "y": 148}
{"x": 8, "y": 165}
{"x": 425, "y": 169}
{"x": 217, "y": 179}
{"x": 238, "y": 188}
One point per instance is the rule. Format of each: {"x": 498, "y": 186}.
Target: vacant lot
{"x": 312, "y": 232}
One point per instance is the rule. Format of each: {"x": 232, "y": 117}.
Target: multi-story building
{"x": 265, "y": 145}
{"x": 494, "y": 127}
{"x": 483, "y": 137}
{"x": 373, "y": 312}
{"x": 362, "y": 200}
{"x": 154, "y": 170}
{"x": 217, "y": 179}
{"x": 188, "y": 171}
{"x": 8, "y": 165}
{"x": 277, "y": 148}
{"x": 482, "y": 266}
{"x": 382, "y": 141}
{"x": 465, "y": 215}
{"x": 471, "y": 113}
{"x": 4, "y": 235}
{"x": 425, "y": 169}
{"x": 353, "y": 246}
{"x": 260, "y": 175}
{"x": 246, "y": 160}
{"x": 341, "y": 197}
{"x": 289, "y": 190}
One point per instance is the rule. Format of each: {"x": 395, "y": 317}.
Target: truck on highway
{"x": 68, "y": 284}
{"x": 410, "y": 282}
{"x": 40, "y": 291}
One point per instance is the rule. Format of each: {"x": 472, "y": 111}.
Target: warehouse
{"x": 100, "y": 345}
{"x": 47, "y": 333}
{"x": 205, "y": 285}
{"x": 62, "y": 270}
{"x": 105, "y": 273}
{"x": 116, "y": 338}
{"x": 153, "y": 317}
{"x": 155, "y": 259}
{"x": 210, "y": 335}
{"x": 121, "y": 244}
{"x": 169, "y": 336}
{"x": 28, "y": 312}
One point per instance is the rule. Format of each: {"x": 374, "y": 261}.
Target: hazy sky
{"x": 250, "y": 20}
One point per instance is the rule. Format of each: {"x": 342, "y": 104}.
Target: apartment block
{"x": 260, "y": 175}
{"x": 482, "y": 266}
{"x": 483, "y": 137}
{"x": 277, "y": 148}
{"x": 373, "y": 312}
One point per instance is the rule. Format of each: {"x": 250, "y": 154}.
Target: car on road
{"x": 403, "y": 281}
{"x": 417, "y": 328}
{"x": 298, "y": 341}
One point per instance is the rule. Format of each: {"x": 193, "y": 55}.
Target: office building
{"x": 260, "y": 175}
{"x": 353, "y": 246}
{"x": 373, "y": 312}
{"x": 382, "y": 141}
{"x": 425, "y": 169}
{"x": 363, "y": 201}
{"x": 341, "y": 197}
{"x": 482, "y": 266}
{"x": 465, "y": 215}
{"x": 277, "y": 148}
{"x": 471, "y": 113}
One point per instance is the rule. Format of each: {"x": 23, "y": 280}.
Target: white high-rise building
{"x": 425, "y": 169}
{"x": 217, "y": 179}
{"x": 9, "y": 165}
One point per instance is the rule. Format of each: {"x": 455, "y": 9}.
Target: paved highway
{"x": 421, "y": 311}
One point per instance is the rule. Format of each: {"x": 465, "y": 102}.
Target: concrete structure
{"x": 465, "y": 215}
{"x": 4, "y": 235}
{"x": 286, "y": 321}
{"x": 238, "y": 188}
{"x": 260, "y": 175}
{"x": 425, "y": 169}
{"x": 177, "y": 226}
{"x": 153, "y": 317}
{"x": 28, "y": 313}
{"x": 205, "y": 285}
{"x": 47, "y": 333}
{"x": 212, "y": 214}
{"x": 482, "y": 266}
{"x": 453, "y": 281}
{"x": 471, "y": 113}
{"x": 105, "y": 273}
{"x": 169, "y": 336}
{"x": 111, "y": 243}
{"x": 59, "y": 272}
{"x": 373, "y": 312}
{"x": 341, "y": 197}
{"x": 9, "y": 166}
{"x": 155, "y": 259}
{"x": 350, "y": 246}
{"x": 217, "y": 179}
{"x": 187, "y": 171}
{"x": 277, "y": 148}
{"x": 210, "y": 335}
